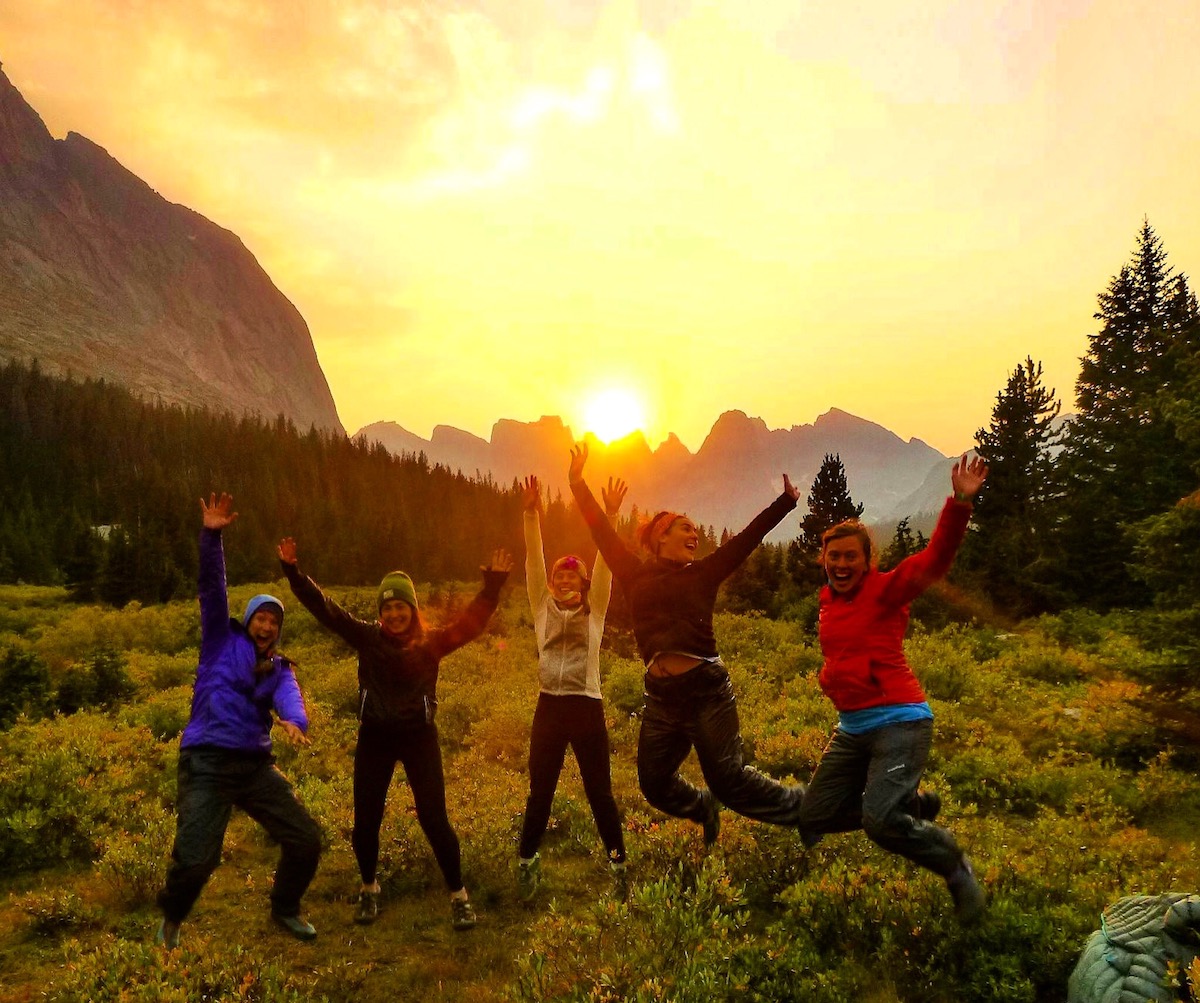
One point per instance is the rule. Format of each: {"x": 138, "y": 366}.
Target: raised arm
{"x": 216, "y": 514}
{"x": 601, "y": 590}
{"x": 327, "y": 612}
{"x": 915, "y": 574}
{"x": 535, "y": 555}
{"x": 475, "y": 617}
{"x": 612, "y": 549}
{"x": 720, "y": 564}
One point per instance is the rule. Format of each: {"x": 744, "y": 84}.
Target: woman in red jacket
{"x": 868, "y": 775}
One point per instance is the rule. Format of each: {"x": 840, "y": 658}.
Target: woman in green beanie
{"x": 398, "y": 660}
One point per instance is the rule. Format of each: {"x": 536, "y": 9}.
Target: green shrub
{"x": 624, "y": 685}
{"x": 53, "y": 911}
{"x": 164, "y": 714}
{"x": 121, "y": 971}
{"x": 24, "y": 686}
{"x": 63, "y": 782}
{"x": 133, "y": 857}
{"x": 671, "y": 941}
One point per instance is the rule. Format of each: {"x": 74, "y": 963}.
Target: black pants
{"x": 869, "y": 782}
{"x": 577, "y": 721}
{"x": 415, "y": 747}
{"x": 211, "y": 782}
{"x": 698, "y": 709}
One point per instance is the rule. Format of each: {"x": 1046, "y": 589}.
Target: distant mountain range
{"x": 102, "y": 277}
{"x": 736, "y": 471}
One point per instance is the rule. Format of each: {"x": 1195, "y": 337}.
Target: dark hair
{"x": 845, "y": 528}
{"x": 646, "y": 530}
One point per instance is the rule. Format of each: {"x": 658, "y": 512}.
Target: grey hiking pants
{"x": 869, "y": 782}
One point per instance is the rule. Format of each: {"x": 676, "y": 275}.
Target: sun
{"x": 612, "y": 414}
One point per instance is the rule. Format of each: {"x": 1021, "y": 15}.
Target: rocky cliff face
{"x": 100, "y": 276}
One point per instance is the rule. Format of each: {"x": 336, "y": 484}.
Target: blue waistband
{"x": 857, "y": 722}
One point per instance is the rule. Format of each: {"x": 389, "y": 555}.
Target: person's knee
{"x": 656, "y": 788}
{"x": 887, "y": 828}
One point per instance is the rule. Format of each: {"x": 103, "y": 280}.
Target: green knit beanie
{"x": 397, "y": 585}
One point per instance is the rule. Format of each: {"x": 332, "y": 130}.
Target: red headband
{"x": 657, "y": 529}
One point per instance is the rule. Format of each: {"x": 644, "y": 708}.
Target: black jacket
{"x": 672, "y": 603}
{"x": 397, "y": 677}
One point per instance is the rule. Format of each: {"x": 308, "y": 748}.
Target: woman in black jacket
{"x": 397, "y": 699}
{"x": 689, "y": 698}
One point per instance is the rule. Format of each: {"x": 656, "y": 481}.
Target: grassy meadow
{"x": 1066, "y": 753}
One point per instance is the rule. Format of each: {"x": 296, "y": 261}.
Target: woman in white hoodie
{"x": 568, "y": 618}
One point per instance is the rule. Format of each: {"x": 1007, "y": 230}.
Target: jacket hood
{"x": 260, "y": 602}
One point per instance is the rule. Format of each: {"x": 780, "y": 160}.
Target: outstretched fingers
{"x": 501, "y": 561}
{"x": 579, "y": 455}
{"x": 614, "y": 495}
{"x": 218, "y": 513}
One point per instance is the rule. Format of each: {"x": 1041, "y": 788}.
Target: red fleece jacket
{"x": 862, "y": 634}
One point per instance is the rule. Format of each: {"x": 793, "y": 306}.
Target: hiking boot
{"x": 620, "y": 880}
{"x": 167, "y": 935}
{"x": 368, "y": 907}
{"x": 969, "y": 897}
{"x": 712, "y": 819}
{"x": 928, "y": 805}
{"x": 294, "y": 925}
{"x": 462, "y": 914}
{"x": 529, "y": 877}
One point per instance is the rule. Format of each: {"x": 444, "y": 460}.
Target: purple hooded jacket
{"x": 231, "y": 702}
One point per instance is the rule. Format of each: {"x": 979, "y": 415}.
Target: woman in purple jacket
{"x": 225, "y": 753}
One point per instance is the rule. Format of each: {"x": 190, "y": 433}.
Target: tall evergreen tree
{"x": 1014, "y": 511}
{"x": 829, "y": 502}
{"x": 1123, "y": 462}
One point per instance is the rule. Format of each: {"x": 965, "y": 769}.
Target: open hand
{"x": 218, "y": 513}
{"x": 531, "y": 494}
{"x": 293, "y": 733}
{"x": 287, "y": 551}
{"x": 579, "y": 455}
{"x": 501, "y": 561}
{"x": 967, "y": 478}
{"x": 613, "y": 496}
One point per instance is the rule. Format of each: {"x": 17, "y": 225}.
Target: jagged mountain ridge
{"x": 730, "y": 478}
{"x": 100, "y": 276}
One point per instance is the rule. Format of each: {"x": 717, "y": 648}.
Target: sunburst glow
{"x": 612, "y": 414}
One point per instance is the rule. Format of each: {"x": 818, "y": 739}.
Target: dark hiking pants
{"x": 211, "y": 783}
{"x": 577, "y": 721}
{"x": 698, "y": 710}
{"x": 415, "y": 747}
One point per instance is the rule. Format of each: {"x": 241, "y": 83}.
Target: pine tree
{"x": 1123, "y": 462}
{"x": 1014, "y": 513}
{"x": 829, "y": 502}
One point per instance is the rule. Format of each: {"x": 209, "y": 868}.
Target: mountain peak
{"x": 24, "y": 137}
{"x": 104, "y": 276}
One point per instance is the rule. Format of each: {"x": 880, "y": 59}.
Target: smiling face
{"x": 264, "y": 629}
{"x": 680, "y": 541}
{"x": 396, "y": 616}
{"x": 845, "y": 563}
{"x": 567, "y": 586}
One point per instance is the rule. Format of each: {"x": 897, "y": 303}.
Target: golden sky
{"x": 500, "y": 208}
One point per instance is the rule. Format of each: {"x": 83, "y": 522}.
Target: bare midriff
{"x": 672, "y": 663}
